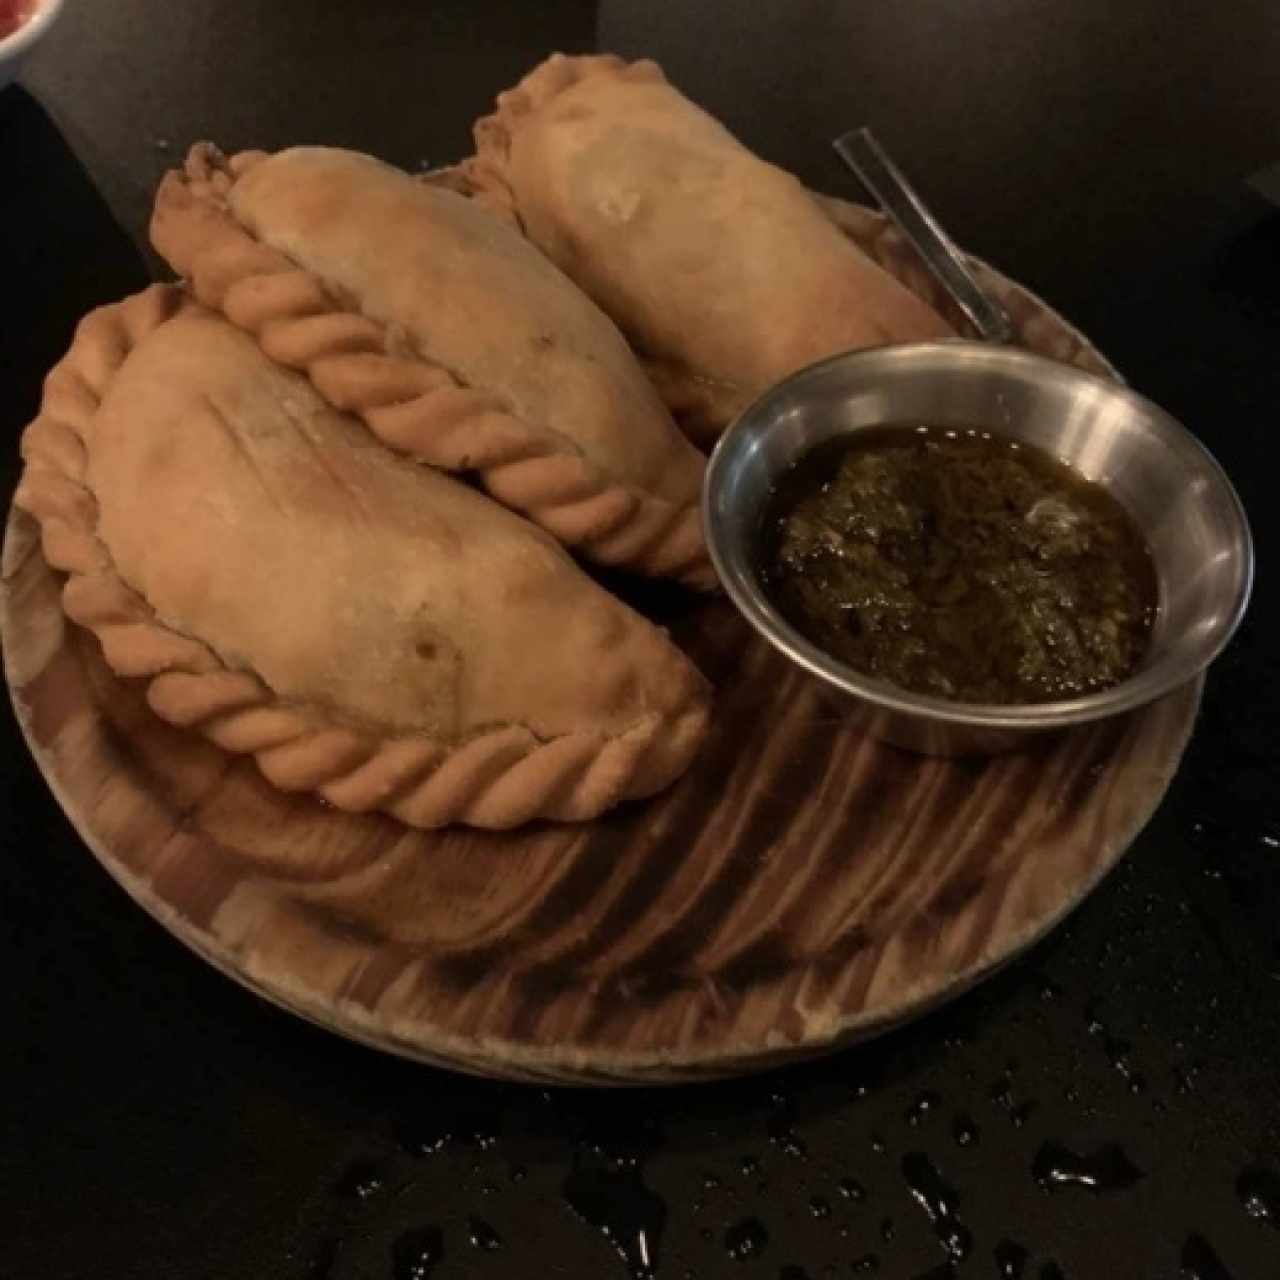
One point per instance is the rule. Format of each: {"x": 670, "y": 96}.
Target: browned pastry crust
{"x": 367, "y": 628}
{"x": 449, "y": 335}
{"x": 719, "y": 267}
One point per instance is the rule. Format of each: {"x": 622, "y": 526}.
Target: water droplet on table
{"x": 964, "y": 1130}
{"x": 1011, "y": 1260}
{"x": 619, "y": 1205}
{"x": 746, "y": 1239}
{"x": 1117, "y": 1052}
{"x": 785, "y": 1138}
{"x": 867, "y": 1263}
{"x": 938, "y": 1199}
{"x": 483, "y": 1236}
{"x": 1184, "y": 1078}
{"x": 1001, "y": 1092}
{"x": 1199, "y": 1262}
{"x": 920, "y": 1110}
{"x": 425, "y": 1138}
{"x": 1022, "y": 1113}
{"x": 1107, "y": 1169}
{"x": 819, "y": 1207}
{"x": 852, "y": 1189}
{"x": 1259, "y": 1192}
{"x": 887, "y": 1230}
{"x": 361, "y": 1179}
{"x": 750, "y": 1166}
{"x": 415, "y": 1254}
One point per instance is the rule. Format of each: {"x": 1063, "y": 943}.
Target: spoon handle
{"x": 865, "y": 156}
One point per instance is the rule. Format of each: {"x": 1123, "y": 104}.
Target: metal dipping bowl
{"x": 1178, "y": 495}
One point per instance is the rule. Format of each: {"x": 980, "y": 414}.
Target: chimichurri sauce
{"x": 959, "y": 564}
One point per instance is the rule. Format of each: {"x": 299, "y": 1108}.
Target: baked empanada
{"x": 721, "y": 269}
{"x": 367, "y": 628}
{"x": 451, "y": 336}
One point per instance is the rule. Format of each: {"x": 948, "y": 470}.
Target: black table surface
{"x": 1108, "y": 1106}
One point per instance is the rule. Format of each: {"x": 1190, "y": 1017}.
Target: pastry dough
{"x": 367, "y": 628}
{"x": 721, "y": 269}
{"x": 451, "y": 336}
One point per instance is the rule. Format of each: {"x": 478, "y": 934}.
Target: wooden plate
{"x": 802, "y": 887}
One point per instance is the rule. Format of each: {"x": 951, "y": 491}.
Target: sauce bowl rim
{"x": 1170, "y": 671}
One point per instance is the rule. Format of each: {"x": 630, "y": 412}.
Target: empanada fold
{"x": 405, "y": 397}
{"x": 721, "y": 269}
{"x": 496, "y": 775}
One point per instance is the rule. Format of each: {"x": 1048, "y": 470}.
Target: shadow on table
{"x": 1248, "y": 270}
{"x": 64, "y": 255}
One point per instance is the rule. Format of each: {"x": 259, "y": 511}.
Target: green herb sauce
{"x": 959, "y": 564}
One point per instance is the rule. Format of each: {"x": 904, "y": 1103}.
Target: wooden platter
{"x": 802, "y": 887}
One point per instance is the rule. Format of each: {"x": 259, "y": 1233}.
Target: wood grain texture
{"x": 800, "y": 888}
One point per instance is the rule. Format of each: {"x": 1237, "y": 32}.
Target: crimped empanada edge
{"x": 499, "y": 778}
{"x": 413, "y": 405}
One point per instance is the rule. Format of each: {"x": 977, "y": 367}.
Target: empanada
{"x": 368, "y": 628}
{"x": 453, "y": 338}
{"x": 721, "y": 269}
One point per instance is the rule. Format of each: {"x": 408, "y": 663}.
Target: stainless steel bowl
{"x": 1179, "y": 496}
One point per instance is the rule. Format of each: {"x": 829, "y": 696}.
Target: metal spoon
{"x": 866, "y": 157}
